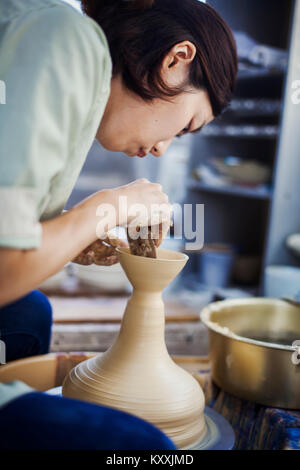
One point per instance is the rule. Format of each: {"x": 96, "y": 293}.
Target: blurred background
{"x": 244, "y": 167}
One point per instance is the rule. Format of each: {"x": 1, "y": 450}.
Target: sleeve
{"x": 50, "y": 61}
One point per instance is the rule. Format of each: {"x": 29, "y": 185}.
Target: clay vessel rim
{"x": 180, "y": 257}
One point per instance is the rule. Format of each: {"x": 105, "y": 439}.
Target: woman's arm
{"x": 67, "y": 235}
{"x": 63, "y": 238}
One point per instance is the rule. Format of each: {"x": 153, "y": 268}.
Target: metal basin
{"x": 255, "y": 349}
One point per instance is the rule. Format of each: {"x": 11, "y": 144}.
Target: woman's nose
{"x": 159, "y": 149}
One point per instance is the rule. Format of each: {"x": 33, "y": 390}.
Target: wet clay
{"x": 142, "y": 246}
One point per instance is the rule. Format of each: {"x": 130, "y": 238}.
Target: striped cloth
{"x": 256, "y": 427}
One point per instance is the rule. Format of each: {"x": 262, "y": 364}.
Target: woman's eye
{"x": 184, "y": 131}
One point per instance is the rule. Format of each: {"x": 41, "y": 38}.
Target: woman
{"x": 131, "y": 73}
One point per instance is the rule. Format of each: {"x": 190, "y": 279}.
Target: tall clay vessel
{"x": 136, "y": 374}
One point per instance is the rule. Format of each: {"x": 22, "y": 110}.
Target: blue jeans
{"x": 25, "y": 326}
{"x": 40, "y": 421}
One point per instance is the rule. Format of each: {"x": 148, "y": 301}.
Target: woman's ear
{"x": 176, "y": 64}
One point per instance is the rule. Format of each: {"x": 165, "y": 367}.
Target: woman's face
{"x": 136, "y": 127}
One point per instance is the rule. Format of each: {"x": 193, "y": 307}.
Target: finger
{"x": 123, "y": 244}
{"x": 108, "y": 261}
{"x": 98, "y": 258}
{"x": 98, "y": 246}
{"x": 158, "y": 240}
{"x": 102, "y": 250}
{"x": 142, "y": 180}
{"x": 164, "y": 228}
{"x": 115, "y": 241}
{"x": 162, "y": 216}
{"x": 157, "y": 186}
{"x": 85, "y": 259}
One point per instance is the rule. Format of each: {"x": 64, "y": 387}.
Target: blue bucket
{"x": 215, "y": 265}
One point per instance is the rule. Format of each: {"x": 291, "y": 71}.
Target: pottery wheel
{"x": 219, "y": 433}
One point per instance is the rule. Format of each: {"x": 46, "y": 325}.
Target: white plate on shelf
{"x": 109, "y": 278}
{"x": 55, "y": 281}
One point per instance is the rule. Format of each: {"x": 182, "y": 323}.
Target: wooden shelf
{"x": 240, "y": 131}
{"x": 253, "y": 72}
{"x": 233, "y": 190}
{"x": 255, "y": 107}
{"x": 191, "y": 282}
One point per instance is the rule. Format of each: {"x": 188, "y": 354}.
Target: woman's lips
{"x": 141, "y": 153}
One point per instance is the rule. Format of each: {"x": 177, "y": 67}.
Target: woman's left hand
{"x": 101, "y": 252}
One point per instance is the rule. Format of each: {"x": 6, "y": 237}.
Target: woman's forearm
{"x": 62, "y": 239}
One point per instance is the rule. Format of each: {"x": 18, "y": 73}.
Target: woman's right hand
{"x": 143, "y": 192}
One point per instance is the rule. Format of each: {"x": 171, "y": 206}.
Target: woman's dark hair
{"x": 141, "y": 32}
